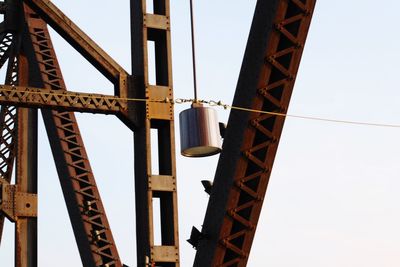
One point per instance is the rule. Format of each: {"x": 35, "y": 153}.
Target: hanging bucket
{"x": 199, "y": 129}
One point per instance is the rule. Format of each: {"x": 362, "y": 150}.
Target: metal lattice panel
{"x": 61, "y": 100}
{"x": 34, "y": 80}
{"x": 8, "y": 117}
{"x": 267, "y": 78}
{"x": 86, "y": 210}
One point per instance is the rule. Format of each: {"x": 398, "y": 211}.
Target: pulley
{"x": 199, "y": 132}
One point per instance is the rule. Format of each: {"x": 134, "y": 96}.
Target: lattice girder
{"x": 266, "y": 81}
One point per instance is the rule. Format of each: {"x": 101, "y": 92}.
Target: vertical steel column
{"x": 26, "y": 176}
{"x": 157, "y": 121}
{"x": 26, "y": 155}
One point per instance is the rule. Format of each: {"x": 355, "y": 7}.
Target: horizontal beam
{"x": 61, "y": 100}
{"x": 78, "y": 39}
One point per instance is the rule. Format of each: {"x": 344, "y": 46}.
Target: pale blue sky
{"x": 334, "y": 191}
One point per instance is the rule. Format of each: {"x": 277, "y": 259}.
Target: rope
{"x": 207, "y": 102}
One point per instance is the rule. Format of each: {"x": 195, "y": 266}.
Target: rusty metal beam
{"x": 26, "y": 182}
{"x": 8, "y": 118}
{"x": 123, "y": 82}
{"x": 157, "y": 118}
{"x": 88, "y": 218}
{"x": 8, "y": 114}
{"x": 60, "y": 100}
{"x": 5, "y": 43}
{"x": 266, "y": 81}
{"x": 9, "y": 50}
{"x": 26, "y": 177}
{"x": 82, "y": 43}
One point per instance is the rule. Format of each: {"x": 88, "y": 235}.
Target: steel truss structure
{"x": 34, "y": 80}
{"x": 276, "y": 41}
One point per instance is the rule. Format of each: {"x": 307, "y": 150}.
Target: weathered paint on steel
{"x": 266, "y": 80}
{"x": 88, "y": 218}
{"x": 158, "y": 117}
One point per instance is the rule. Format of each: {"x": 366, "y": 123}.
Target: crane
{"x": 34, "y": 80}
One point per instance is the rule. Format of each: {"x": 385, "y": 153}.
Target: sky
{"x": 333, "y": 195}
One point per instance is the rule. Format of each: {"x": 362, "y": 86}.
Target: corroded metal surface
{"x": 266, "y": 82}
{"x": 81, "y": 42}
{"x": 153, "y": 186}
{"x": 61, "y": 100}
{"x": 9, "y": 49}
{"x": 92, "y": 231}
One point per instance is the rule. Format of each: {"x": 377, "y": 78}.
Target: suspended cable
{"x": 193, "y": 50}
{"x": 318, "y": 118}
{"x": 184, "y": 101}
